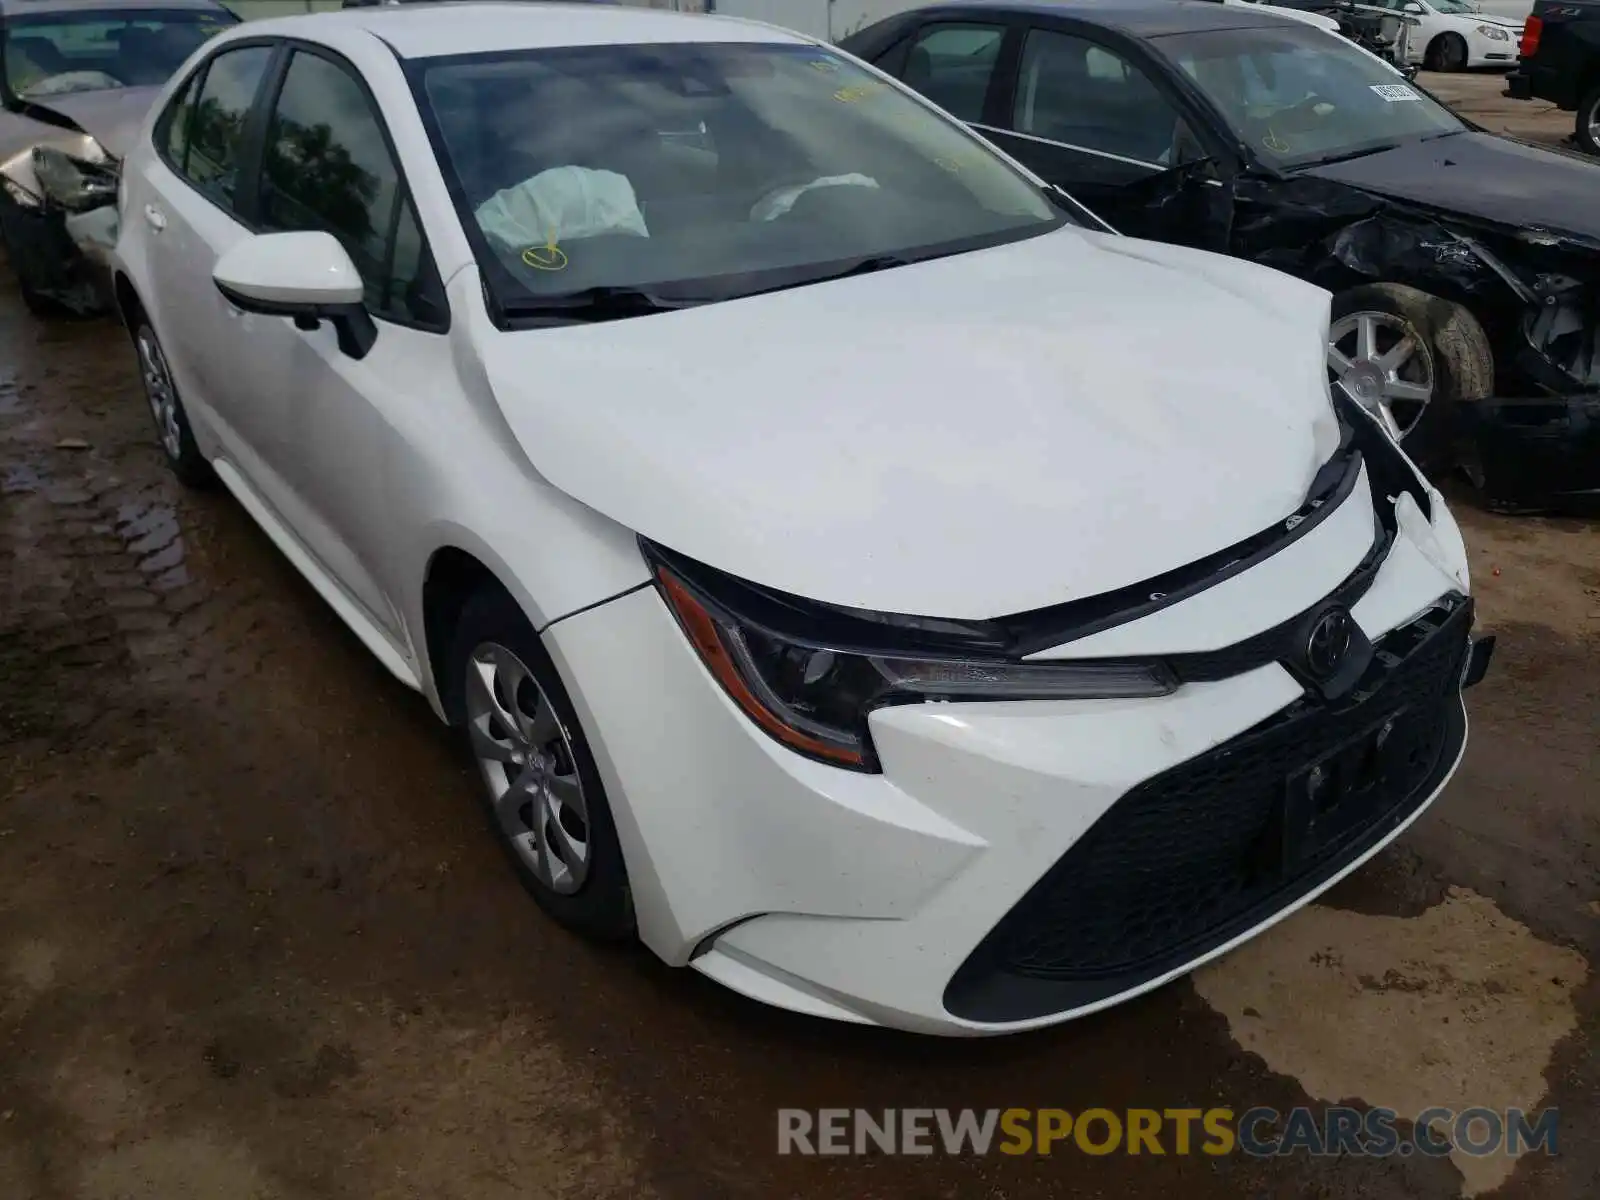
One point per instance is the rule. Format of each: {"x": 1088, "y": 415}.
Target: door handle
{"x": 155, "y": 218}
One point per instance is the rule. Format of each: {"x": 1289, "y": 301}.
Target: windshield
{"x": 86, "y": 50}
{"x": 1298, "y": 96}
{"x": 1454, "y": 6}
{"x": 705, "y": 171}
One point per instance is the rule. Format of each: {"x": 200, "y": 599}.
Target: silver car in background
{"x": 76, "y": 79}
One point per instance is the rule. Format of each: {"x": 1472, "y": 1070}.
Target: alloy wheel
{"x": 1386, "y": 367}
{"x": 527, "y": 764}
{"x": 160, "y": 392}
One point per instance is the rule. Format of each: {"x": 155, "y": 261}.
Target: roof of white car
{"x": 436, "y": 30}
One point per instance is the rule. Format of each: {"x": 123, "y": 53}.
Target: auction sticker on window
{"x": 1395, "y": 92}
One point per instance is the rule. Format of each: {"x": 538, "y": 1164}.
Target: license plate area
{"x": 1347, "y": 789}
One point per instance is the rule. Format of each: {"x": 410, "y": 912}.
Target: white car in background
{"x": 1328, "y": 24}
{"x": 869, "y": 587}
{"x": 1456, "y": 35}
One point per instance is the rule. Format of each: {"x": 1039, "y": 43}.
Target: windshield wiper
{"x": 864, "y": 266}
{"x": 1350, "y": 154}
{"x": 859, "y": 266}
{"x": 604, "y": 303}
{"x": 608, "y": 303}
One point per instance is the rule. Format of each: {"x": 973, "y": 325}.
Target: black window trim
{"x": 1073, "y": 146}
{"x": 252, "y": 151}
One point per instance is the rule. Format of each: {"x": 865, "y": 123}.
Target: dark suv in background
{"x": 1560, "y": 62}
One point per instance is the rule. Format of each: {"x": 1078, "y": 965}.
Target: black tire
{"x": 48, "y": 268}
{"x": 1460, "y": 355}
{"x": 37, "y": 302}
{"x": 1588, "y": 124}
{"x": 602, "y": 905}
{"x": 183, "y": 457}
{"x": 1447, "y": 52}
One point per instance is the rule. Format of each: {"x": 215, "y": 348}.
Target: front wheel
{"x": 1410, "y": 359}
{"x": 172, "y": 423}
{"x": 1588, "y": 130}
{"x": 542, "y": 790}
{"x": 1447, "y": 52}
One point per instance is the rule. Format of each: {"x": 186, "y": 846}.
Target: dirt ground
{"x": 1477, "y": 96}
{"x": 255, "y": 943}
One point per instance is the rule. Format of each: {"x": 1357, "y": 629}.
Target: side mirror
{"x": 1415, "y": 10}
{"x": 307, "y": 276}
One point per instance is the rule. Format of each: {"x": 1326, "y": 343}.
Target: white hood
{"x": 966, "y": 437}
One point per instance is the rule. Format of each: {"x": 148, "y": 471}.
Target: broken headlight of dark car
{"x": 76, "y": 184}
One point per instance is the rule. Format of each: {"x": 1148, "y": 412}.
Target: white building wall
{"x": 831, "y": 20}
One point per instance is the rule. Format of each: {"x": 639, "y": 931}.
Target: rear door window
{"x": 1083, "y": 95}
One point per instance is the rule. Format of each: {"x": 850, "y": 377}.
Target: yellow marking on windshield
{"x": 548, "y": 257}
{"x": 857, "y": 91}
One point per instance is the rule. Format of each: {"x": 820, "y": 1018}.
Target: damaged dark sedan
{"x": 1465, "y": 267}
{"x": 76, "y": 80}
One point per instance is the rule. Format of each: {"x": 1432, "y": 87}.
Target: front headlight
{"x": 76, "y": 182}
{"x": 1494, "y": 33}
{"x": 814, "y": 694}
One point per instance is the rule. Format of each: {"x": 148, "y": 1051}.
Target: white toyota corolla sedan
{"x": 882, "y": 593}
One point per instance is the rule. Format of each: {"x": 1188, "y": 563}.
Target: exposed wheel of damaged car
{"x": 778, "y": 490}
{"x": 1588, "y": 124}
{"x": 1412, "y": 359}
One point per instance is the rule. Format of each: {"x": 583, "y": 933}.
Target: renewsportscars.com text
{"x": 1262, "y": 1132}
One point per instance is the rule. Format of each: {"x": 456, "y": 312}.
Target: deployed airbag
{"x": 562, "y": 204}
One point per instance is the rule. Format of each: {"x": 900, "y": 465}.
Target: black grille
{"x": 1204, "y": 851}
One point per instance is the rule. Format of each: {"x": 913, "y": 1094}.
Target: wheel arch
{"x": 1496, "y": 319}
{"x": 126, "y": 297}
{"x": 452, "y": 577}
{"x": 1588, "y": 84}
{"x": 1433, "y": 51}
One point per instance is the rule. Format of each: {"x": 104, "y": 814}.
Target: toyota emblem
{"x": 1329, "y": 643}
